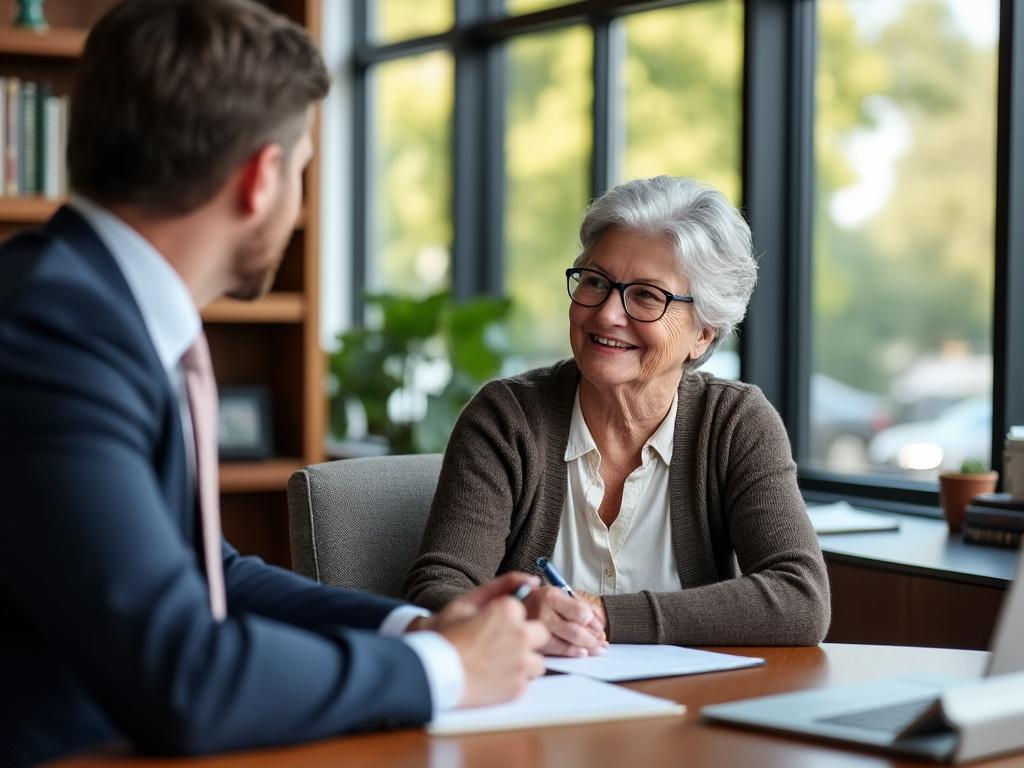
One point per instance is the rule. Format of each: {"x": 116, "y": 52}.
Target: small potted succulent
{"x": 956, "y": 489}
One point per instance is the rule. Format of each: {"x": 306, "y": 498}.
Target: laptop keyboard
{"x": 887, "y": 719}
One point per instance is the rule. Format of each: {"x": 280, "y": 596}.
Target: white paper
{"x": 556, "y": 700}
{"x": 639, "y": 662}
{"x": 842, "y": 518}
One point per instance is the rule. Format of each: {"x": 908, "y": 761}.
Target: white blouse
{"x": 634, "y": 553}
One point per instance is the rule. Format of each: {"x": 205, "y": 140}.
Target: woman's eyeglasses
{"x": 642, "y": 301}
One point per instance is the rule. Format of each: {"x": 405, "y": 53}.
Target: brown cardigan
{"x": 735, "y": 509}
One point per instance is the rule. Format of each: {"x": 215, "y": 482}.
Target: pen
{"x": 553, "y": 576}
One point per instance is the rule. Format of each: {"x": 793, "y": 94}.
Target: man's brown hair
{"x": 173, "y": 95}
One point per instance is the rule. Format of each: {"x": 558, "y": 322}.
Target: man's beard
{"x": 254, "y": 268}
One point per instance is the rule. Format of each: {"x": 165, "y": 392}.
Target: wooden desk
{"x": 685, "y": 741}
{"x": 915, "y": 586}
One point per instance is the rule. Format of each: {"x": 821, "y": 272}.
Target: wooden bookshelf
{"x": 249, "y": 476}
{"x": 27, "y": 210}
{"x": 54, "y": 43}
{"x": 275, "y": 307}
{"x": 273, "y": 343}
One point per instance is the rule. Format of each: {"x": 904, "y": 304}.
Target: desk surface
{"x": 924, "y": 547}
{"x": 662, "y": 742}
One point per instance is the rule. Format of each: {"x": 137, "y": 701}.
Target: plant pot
{"x": 956, "y": 491}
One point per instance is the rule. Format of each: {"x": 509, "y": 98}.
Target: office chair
{"x": 357, "y": 523}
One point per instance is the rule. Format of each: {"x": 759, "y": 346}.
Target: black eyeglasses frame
{"x": 621, "y": 288}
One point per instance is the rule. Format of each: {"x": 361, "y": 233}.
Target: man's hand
{"x": 499, "y": 648}
{"x": 576, "y": 629}
{"x": 469, "y": 604}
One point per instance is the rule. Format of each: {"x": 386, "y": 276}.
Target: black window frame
{"x": 777, "y": 177}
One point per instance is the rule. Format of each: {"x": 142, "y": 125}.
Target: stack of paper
{"x": 842, "y": 518}
{"x": 638, "y": 662}
{"x": 556, "y": 700}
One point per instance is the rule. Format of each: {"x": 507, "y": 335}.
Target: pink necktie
{"x": 202, "y": 398}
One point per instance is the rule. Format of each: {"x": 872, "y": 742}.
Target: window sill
{"x": 922, "y": 547}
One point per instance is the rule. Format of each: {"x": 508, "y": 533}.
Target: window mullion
{"x": 1008, "y": 320}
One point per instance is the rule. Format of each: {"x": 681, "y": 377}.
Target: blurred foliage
{"x": 683, "y": 94}
{"x": 915, "y": 277}
{"x": 527, "y": 6}
{"x": 973, "y": 467}
{"x": 377, "y": 362}
{"x": 395, "y": 20}
{"x": 547, "y": 151}
{"x": 907, "y": 281}
{"x": 411, "y": 226}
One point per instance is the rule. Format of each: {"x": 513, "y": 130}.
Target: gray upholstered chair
{"x": 357, "y": 523}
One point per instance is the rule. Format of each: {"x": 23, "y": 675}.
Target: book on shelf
{"x": 993, "y": 536}
{"x": 998, "y": 501}
{"x": 986, "y": 517}
{"x": 28, "y": 136}
{"x": 994, "y": 518}
{"x": 33, "y": 137}
{"x": 11, "y": 137}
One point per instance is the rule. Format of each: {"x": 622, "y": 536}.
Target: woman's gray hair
{"x": 710, "y": 238}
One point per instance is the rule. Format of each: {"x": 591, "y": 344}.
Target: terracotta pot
{"x": 956, "y": 491}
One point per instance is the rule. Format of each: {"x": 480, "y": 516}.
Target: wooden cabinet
{"x": 272, "y": 343}
{"x": 875, "y": 605}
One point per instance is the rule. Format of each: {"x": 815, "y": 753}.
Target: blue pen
{"x": 553, "y": 576}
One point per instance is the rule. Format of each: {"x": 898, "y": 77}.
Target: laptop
{"x": 901, "y": 716}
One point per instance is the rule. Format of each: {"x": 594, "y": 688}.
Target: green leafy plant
{"x": 973, "y": 466}
{"x": 378, "y": 362}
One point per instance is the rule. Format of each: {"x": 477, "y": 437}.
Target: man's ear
{"x": 259, "y": 178}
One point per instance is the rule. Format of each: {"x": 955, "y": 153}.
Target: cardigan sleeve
{"x": 782, "y": 594}
{"x": 470, "y": 518}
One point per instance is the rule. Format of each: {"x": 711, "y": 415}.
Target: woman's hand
{"x": 575, "y": 628}
{"x": 597, "y": 606}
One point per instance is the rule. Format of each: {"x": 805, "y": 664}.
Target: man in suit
{"x": 125, "y": 614}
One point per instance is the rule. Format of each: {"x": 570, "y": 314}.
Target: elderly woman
{"x": 667, "y": 498}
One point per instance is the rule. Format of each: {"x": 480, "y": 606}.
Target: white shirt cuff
{"x": 396, "y": 622}
{"x": 441, "y": 662}
{"x": 443, "y": 666}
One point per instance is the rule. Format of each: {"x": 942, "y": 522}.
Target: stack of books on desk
{"x": 994, "y": 518}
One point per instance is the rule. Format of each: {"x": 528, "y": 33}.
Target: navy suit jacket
{"x": 107, "y": 627}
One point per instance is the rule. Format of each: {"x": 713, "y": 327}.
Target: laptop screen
{"x": 1008, "y": 641}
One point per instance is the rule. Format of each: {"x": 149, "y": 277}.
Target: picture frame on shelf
{"x": 244, "y": 423}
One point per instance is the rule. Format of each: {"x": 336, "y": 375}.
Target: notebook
{"x": 842, "y": 518}
{"x": 639, "y": 662}
{"x": 556, "y": 700}
{"x": 913, "y": 716}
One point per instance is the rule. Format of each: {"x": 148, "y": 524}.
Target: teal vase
{"x": 30, "y": 14}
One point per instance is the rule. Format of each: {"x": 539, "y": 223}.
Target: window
{"x": 903, "y": 244}
{"x": 547, "y": 150}
{"x": 682, "y": 94}
{"x": 874, "y": 146}
{"x": 412, "y": 142}
{"x": 682, "y": 99}
{"x": 396, "y": 20}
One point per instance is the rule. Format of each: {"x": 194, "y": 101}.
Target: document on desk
{"x": 555, "y": 700}
{"x": 840, "y": 517}
{"x": 639, "y": 662}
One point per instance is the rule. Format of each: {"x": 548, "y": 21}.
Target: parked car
{"x": 843, "y": 422}
{"x": 924, "y": 448}
{"x": 843, "y": 419}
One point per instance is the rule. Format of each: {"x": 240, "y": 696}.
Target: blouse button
{"x": 609, "y": 572}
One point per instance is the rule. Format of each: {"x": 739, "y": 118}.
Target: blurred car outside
{"x": 843, "y": 419}
{"x": 922, "y": 449}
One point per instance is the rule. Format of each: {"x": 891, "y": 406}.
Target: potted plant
{"x": 381, "y": 367}
{"x": 956, "y": 489}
